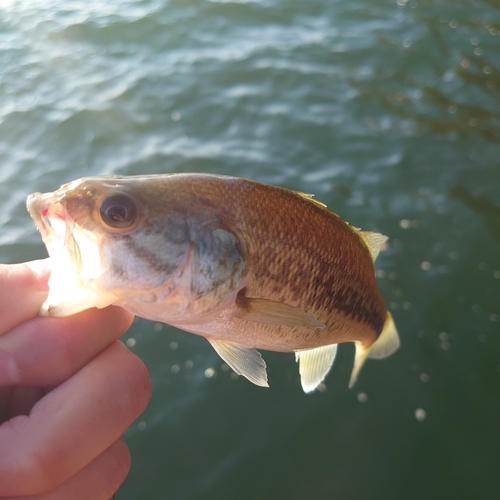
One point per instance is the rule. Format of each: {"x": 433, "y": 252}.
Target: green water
{"x": 388, "y": 110}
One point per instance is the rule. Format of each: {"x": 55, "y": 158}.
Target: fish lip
{"x": 43, "y": 207}
{"x": 46, "y": 209}
{"x": 33, "y": 204}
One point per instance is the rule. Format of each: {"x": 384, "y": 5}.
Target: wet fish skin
{"x": 245, "y": 264}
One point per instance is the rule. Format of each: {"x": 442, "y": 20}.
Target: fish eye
{"x": 118, "y": 211}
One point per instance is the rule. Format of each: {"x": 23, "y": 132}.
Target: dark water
{"x": 388, "y": 110}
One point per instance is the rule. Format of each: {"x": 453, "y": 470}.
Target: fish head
{"x": 106, "y": 241}
{"x": 132, "y": 242}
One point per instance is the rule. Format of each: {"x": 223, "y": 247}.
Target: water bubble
{"x": 424, "y": 377}
{"x": 478, "y": 51}
{"x": 393, "y": 276}
{"x": 131, "y": 342}
{"x": 476, "y": 308}
{"x": 453, "y": 24}
{"x": 446, "y": 346}
{"x": 474, "y": 41}
{"x": 465, "y": 63}
{"x": 407, "y": 306}
{"x": 189, "y": 364}
{"x": 175, "y": 369}
{"x": 420, "y": 414}
{"x": 496, "y": 274}
{"x": 210, "y": 372}
{"x": 224, "y": 367}
{"x": 443, "y": 336}
{"x": 425, "y": 265}
{"x": 173, "y": 345}
{"x": 453, "y": 255}
{"x": 404, "y": 224}
{"x": 141, "y": 425}
{"x": 362, "y": 397}
{"x": 407, "y": 43}
{"x": 158, "y": 327}
{"x": 175, "y": 116}
{"x": 381, "y": 273}
{"x": 452, "y": 109}
{"x": 473, "y": 122}
{"x": 322, "y": 387}
{"x": 487, "y": 70}
{"x": 494, "y": 317}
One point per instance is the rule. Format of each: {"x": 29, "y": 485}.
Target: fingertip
{"x": 139, "y": 382}
{"x": 120, "y": 462}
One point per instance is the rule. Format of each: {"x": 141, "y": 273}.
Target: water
{"x": 388, "y": 111}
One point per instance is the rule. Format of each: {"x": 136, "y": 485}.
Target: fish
{"x": 249, "y": 266}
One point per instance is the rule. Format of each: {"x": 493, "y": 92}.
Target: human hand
{"x": 68, "y": 391}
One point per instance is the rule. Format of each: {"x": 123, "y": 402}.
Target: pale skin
{"x": 68, "y": 391}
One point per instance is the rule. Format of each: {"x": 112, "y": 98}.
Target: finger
{"x": 23, "y": 290}
{"x": 99, "y": 480}
{"x": 46, "y": 351}
{"x": 73, "y": 424}
{"x": 16, "y": 401}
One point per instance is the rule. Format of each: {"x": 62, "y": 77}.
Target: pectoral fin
{"x": 273, "y": 313}
{"x": 387, "y": 343}
{"x": 243, "y": 360}
{"x": 314, "y": 364}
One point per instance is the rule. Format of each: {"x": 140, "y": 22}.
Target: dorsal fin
{"x": 310, "y": 197}
{"x": 374, "y": 242}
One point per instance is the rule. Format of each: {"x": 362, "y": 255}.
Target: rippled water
{"x": 387, "y": 110}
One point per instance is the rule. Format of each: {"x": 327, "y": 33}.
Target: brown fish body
{"x": 244, "y": 264}
{"x": 299, "y": 253}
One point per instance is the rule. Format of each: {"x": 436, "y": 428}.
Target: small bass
{"x": 246, "y": 265}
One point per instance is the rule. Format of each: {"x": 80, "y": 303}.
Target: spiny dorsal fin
{"x": 310, "y": 197}
{"x": 374, "y": 242}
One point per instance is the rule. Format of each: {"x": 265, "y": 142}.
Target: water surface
{"x": 387, "y": 110}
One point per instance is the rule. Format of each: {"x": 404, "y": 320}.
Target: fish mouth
{"x": 55, "y": 225}
{"x": 43, "y": 208}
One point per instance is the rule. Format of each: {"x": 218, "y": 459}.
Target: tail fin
{"x": 384, "y": 346}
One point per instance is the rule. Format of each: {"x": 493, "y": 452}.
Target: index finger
{"x": 23, "y": 289}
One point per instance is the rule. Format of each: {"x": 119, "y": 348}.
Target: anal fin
{"x": 243, "y": 360}
{"x": 314, "y": 365}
